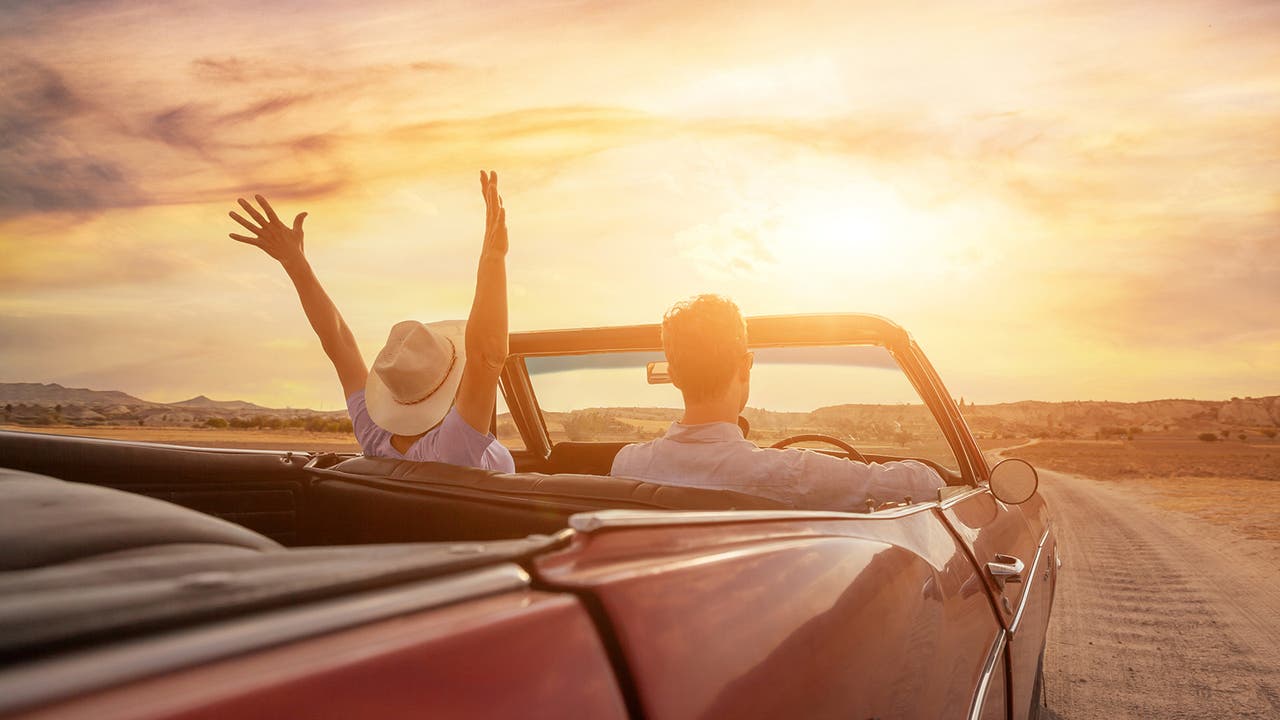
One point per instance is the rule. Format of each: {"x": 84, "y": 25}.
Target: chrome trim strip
{"x": 58, "y": 678}
{"x": 597, "y": 520}
{"x": 1031, "y": 578}
{"x": 988, "y": 669}
{"x": 969, "y": 492}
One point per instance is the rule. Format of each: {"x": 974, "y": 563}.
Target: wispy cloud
{"x": 42, "y": 168}
{"x": 1099, "y": 175}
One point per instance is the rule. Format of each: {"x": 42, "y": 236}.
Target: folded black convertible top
{"x": 81, "y": 565}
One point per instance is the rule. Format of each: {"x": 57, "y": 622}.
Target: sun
{"x": 851, "y": 224}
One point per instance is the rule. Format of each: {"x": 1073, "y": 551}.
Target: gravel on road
{"x": 1158, "y": 614}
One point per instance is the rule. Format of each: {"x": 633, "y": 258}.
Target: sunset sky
{"x": 1059, "y": 200}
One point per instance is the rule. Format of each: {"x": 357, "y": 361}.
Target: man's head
{"x": 705, "y": 339}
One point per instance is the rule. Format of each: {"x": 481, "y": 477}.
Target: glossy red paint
{"x": 988, "y": 528}
{"x": 516, "y": 655}
{"x": 836, "y": 617}
{"x": 1036, "y": 513}
{"x": 1030, "y": 626}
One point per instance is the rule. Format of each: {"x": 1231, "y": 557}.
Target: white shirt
{"x": 716, "y": 455}
{"x": 453, "y": 441}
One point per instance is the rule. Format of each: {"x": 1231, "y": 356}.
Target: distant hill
{"x": 203, "y": 402}
{"x": 54, "y": 404}
{"x": 51, "y": 394}
{"x": 51, "y": 403}
{"x": 1148, "y": 415}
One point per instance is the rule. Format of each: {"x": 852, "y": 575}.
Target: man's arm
{"x": 284, "y": 243}
{"x": 487, "y": 325}
{"x": 829, "y": 483}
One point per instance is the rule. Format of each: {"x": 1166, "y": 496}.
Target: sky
{"x": 1060, "y": 201}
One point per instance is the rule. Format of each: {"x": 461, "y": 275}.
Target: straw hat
{"x": 414, "y": 379}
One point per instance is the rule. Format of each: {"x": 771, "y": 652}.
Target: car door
{"x": 787, "y": 614}
{"x": 1011, "y": 545}
{"x": 1015, "y": 568}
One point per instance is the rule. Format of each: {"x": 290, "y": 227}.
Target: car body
{"x": 388, "y": 588}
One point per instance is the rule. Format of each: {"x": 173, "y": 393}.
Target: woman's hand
{"x": 495, "y": 220}
{"x": 277, "y": 239}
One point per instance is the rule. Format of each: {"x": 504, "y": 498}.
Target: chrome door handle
{"x": 1005, "y": 569}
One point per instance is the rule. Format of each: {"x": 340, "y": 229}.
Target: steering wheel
{"x": 816, "y": 437}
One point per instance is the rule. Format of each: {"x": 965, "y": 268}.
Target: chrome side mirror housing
{"x": 1014, "y": 481}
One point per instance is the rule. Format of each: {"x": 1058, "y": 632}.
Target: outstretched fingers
{"x": 491, "y": 200}
{"x": 266, "y": 206}
{"x": 243, "y": 239}
{"x": 495, "y": 216}
{"x": 253, "y": 212}
{"x": 247, "y": 225}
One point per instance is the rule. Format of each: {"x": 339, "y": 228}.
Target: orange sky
{"x": 1061, "y": 201}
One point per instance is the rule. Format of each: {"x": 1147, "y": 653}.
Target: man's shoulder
{"x": 630, "y": 453}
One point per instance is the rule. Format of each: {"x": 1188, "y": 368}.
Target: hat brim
{"x": 413, "y": 419}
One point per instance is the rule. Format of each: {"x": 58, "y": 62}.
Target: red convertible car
{"x": 156, "y": 581}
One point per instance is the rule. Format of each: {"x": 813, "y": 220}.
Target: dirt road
{"x": 1159, "y": 614}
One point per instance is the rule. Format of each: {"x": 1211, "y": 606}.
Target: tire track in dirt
{"x": 1158, "y": 614}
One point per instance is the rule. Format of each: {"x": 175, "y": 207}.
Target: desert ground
{"x": 1230, "y": 483}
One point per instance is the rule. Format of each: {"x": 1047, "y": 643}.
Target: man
{"x": 433, "y": 387}
{"x": 705, "y": 340}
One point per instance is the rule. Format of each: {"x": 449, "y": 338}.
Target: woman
{"x": 433, "y": 387}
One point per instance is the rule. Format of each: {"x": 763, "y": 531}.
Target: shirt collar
{"x": 704, "y": 433}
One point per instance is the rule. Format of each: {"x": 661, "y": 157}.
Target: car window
{"x": 508, "y": 433}
{"x": 858, "y": 394}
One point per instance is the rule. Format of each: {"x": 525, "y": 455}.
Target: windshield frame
{"x": 762, "y": 332}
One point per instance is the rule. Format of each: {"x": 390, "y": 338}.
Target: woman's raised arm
{"x": 487, "y": 324}
{"x": 284, "y": 243}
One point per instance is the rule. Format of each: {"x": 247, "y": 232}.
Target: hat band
{"x": 453, "y": 360}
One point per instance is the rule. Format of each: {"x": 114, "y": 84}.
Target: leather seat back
{"x": 385, "y": 500}
{"x": 593, "y": 458}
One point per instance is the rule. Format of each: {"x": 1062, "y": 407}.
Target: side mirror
{"x": 658, "y": 373}
{"x": 1014, "y": 481}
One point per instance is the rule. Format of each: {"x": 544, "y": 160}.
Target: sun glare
{"x": 887, "y": 159}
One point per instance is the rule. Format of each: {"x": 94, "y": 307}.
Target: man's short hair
{"x": 705, "y": 339}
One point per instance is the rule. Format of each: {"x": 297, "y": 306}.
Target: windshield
{"x": 858, "y": 394}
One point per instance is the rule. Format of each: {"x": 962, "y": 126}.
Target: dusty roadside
{"x": 283, "y": 439}
{"x": 1159, "y": 613}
